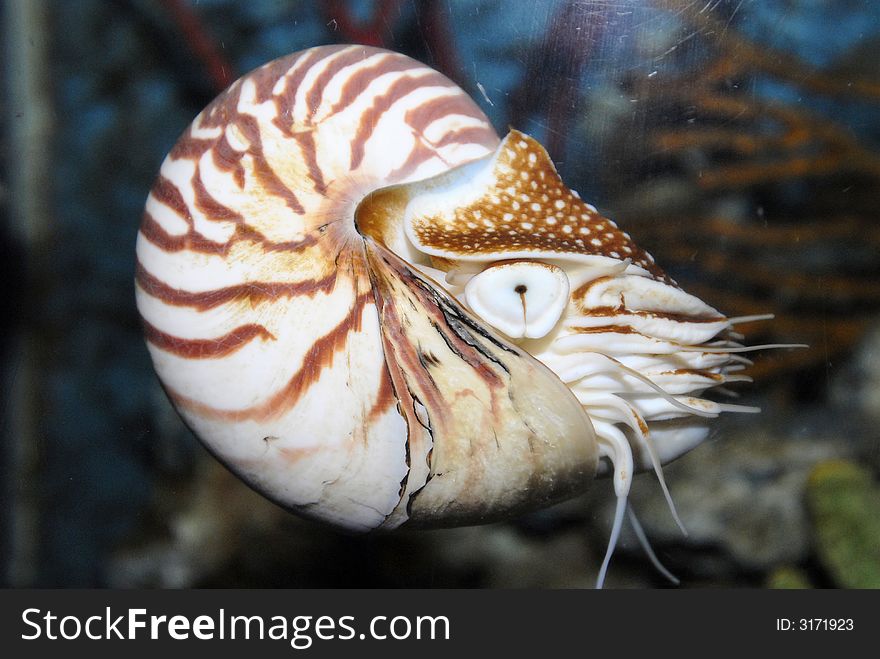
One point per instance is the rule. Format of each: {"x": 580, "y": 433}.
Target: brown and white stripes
{"x": 253, "y": 283}
{"x": 329, "y": 147}
{"x": 303, "y": 269}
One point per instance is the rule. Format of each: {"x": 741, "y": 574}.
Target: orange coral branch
{"x": 748, "y": 56}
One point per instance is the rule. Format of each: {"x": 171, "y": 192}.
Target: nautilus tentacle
{"x": 376, "y": 312}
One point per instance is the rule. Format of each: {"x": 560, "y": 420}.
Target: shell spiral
{"x": 376, "y": 312}
{"x": 320, "y": 366}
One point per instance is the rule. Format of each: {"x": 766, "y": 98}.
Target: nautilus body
{"x": 377, "y": 313}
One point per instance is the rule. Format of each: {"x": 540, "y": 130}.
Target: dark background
{"x": 737, "y": 141}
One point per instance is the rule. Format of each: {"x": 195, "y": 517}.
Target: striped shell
{"x": 376, "y": 312}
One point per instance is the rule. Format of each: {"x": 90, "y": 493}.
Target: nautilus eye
{"x": 377, "y": 313}
{"x": 523, "y": 299}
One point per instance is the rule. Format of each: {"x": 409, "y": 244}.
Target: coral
{"x": 753, "y": 173}
{"x": 844, "y": 502}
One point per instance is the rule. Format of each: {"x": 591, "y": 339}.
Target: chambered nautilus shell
{"x": 378, "y": 313}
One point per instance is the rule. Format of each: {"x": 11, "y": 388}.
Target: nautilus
{"x": 378, "y": 313}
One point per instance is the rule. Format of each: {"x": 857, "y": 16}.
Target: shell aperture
{"x": 507, "y": 238}
{"x": 625, "y": 337}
